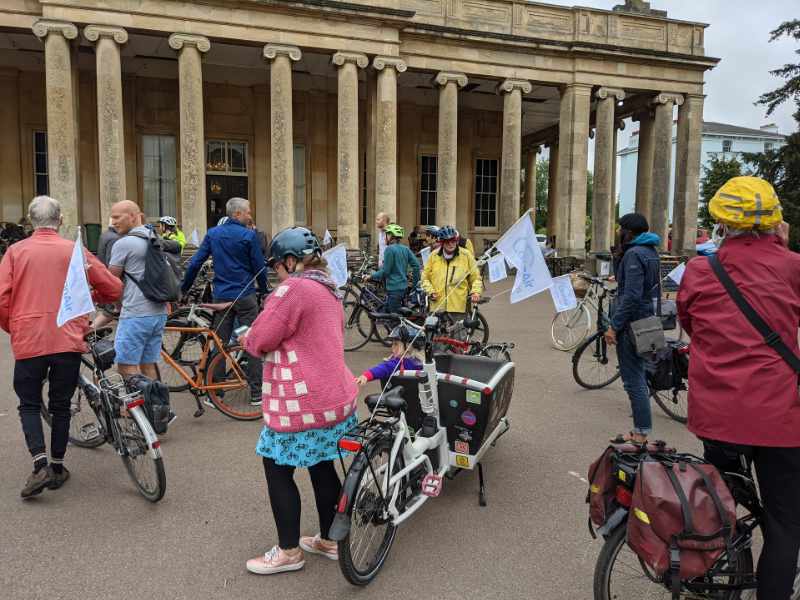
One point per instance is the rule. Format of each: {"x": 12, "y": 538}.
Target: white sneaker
{"x": 314, "y": 545}
{"x": 275, "y": 561}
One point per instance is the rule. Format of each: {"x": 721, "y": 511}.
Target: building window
{"x": 427, "y": 190}
{"x": 41, "y": 182}
{"x": 727, "y": 145}
{"x": 485, "y": 193}
{"x": 159, "y": 166}
{"x": 768, "y": 146}
{"x": 226, "y": 158}
{"x": 300, "y": 216}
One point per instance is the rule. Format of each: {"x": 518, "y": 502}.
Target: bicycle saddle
{"x": 392, "y": 400}
{"x": 471, "y": 323}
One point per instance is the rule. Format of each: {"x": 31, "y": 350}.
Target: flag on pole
{"x": 328, "y": 239}
{"x": 195, "y": 238}
{"x": 76, "y": 300}
{"x": 497, "y": 268}
{"x": 563, "y": 294}
{"x": 425, "y": 254}
{"x": 337, "y": 263}
{"x": 519, "y": 246}
{"x": 677, "y": 273}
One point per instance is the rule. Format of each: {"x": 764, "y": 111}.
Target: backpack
{"x": 156, "y": 400}
{"x": 682, "y": 518}
{"x": 160, "y": 281}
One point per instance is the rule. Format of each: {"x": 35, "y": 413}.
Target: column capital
{"x": 342, "y": 58}
{"x": 178, "y": 40}
{"x": 605, "y": 92}
{"x": 272, "y": 51}
{"x": 42, "y": 27}
{"x": 666, "y": 98}
{"x": 379, "y": 63}
{"x": 446, "y": 77}
{"x": 509, "y": 85}
{"x": 94, "y": 32}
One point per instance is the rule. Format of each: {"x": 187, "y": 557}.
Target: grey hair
{"x": 731, "y": 232}
{"x": 235, "y": 205}
{"x": 44, "y": 212}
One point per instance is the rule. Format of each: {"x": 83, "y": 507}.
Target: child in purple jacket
{"x": 405, "y": 345}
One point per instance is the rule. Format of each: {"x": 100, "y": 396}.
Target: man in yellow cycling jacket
{"x": 450, "y": 275}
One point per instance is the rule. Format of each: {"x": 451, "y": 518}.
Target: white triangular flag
{"x": 563, "y": 293}
{"x": 425, "y": 254}
{"x": 328, "y": 239}
{"x": 677, "y": 273}
{"x": 195, "y": 238}
{"x": 519, "y": 246}
{"x": 497, "y": 268}
{"x": 76, "y": 300}
{"x": 337, "y": 263}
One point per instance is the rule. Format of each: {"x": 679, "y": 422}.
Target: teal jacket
{"x": 397, "y": 258}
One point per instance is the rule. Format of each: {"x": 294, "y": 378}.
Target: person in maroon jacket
{"x": 743, "y": 396}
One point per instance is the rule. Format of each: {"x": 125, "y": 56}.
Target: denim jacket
{"x": 638, "y": 275}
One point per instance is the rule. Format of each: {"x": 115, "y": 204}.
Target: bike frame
{"x": 197, "y": 382}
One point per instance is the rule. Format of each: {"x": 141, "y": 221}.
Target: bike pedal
{"x": 432, "y": 485}
{"x": 89, "y": 431}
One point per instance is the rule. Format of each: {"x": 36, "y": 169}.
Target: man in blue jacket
{"x": 238, "y": 264}
{"x": 638, "y": 272}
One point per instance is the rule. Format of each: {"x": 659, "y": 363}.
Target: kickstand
{"x": 200, "y": 409}
{"x": 482, "y": 486}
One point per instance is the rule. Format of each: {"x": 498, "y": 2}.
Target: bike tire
{"x": 648, "y": 584}
{"x": 348, "y": 563}
{"x": 142, "y": 456}
{"x": 595, "y": 353}
{"x": 381, "y": 330}
{"x": 357, "y": 324}
{"x": 82, "y": 419}
{"x": 496, "y": 352}
{"x": 570, "y": 327}
{"x": 185, "y": 349}
{"x": 674, "y": 402}
{"x": 236, "y": 402}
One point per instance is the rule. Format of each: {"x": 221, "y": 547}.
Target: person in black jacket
{"x": 638, "y": 272}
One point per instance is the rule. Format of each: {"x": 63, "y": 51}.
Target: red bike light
{"x": 156, "y": 445}
{"x": 350, "y": 445}
{"x": 342, "y": 506}
{"x": 487, "y": 391}
{"x": 623, "y": 496}
{"x": 134, "y": 403}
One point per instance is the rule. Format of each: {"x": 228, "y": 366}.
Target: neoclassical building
{"x": 324, "y": 112}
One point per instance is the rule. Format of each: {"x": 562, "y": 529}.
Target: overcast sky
{"x": 738, "y": 33}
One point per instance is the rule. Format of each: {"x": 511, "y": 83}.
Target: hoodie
{"x": 638, "y": 276}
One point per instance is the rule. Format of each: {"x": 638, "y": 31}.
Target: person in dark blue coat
{"x": 637, "y": 269}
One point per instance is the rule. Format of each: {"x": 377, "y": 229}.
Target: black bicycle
{"x": 594, "y": 364}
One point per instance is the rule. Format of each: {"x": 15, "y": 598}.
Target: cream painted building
{"x": 324, "y": 112}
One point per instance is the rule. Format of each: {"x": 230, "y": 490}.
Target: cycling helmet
{"x": 293, "y": 241}
{"x": 222, "y": 221}
{"x": 406, "y": 335}
{"x": 168, "y": 221}
{"x": 746, "y": 203}
{"x": 432, "y": 230}
{"x": 448, "y": 232}
{"x": 395, "y": 230}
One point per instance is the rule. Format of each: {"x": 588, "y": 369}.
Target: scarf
{"x": 321, "y": 277}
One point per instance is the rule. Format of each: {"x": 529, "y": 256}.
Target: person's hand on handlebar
{"x": 474, "y": 298}
{"x": 433, "y": 296}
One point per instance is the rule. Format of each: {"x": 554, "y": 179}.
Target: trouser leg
{"x": 246, "y": 311}
{"x": 634, "y": 381}
{"x": 327, "y": 489}
{"x": 63, "y": 379}
{"x": 29, "y": 376}
{"x": 284, "y": 498}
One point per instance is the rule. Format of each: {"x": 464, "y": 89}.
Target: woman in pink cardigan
{"x": 308, "y": 395}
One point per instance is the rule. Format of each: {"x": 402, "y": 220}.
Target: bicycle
{"x": 117, "y": 418}
{"x": 398, "y": 467}
{"x": 593, "y": 366}
{"x": 620, "y": 573}
{"x": 215, "y": 369}
{"x": 570, "y": 327}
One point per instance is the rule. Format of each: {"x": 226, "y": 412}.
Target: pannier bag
{"x": 616, "y": 466}
{"x": 156, "y": 401}
{"x": 668, "y": 367}
{"x": 104, "y": 354}
{"x": 682, "y": 517}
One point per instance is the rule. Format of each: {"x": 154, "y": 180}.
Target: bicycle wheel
{"x": 381, "y": 330}
{"x": 496, "y": 352}
{"x": 479, "y": 333}
{"x": 594, "y": 364}
{"x": 235, "y": 402}
{"x": 570, "y": 328}
{"x": 674, "y": 402}
{"x": 186, "y": 350}
{"x": 357, "y": 324}
{"x": 141, "y": 454}
{"x": 85, "y": 427}
{"x": 620, "y": 573}
{"x": 363, "y": 551}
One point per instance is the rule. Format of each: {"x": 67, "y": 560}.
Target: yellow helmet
{"x": 746, "y": 203}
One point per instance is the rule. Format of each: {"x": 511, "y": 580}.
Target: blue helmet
{"x": 448, "y": 232}
{"x": 293, "y": 241}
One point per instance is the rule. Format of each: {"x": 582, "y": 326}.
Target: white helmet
{"x": 168, "y": 221}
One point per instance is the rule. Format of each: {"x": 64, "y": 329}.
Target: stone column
{"x": 386, "y": 138}
{"x": 62, "y": 121}
{"x": 347, "y": 140}
{"x": 530, "y": 180}
{"x": 110, "y": 119}
{"x": 644, "y": 164}
{"x": 553, "y": 200}
{"x": 605, "y": 160}
{"x": 687, "y": 175}
{"x": 619, "y": 126}
{"x": 447, "y": 182}
{"x": 192, "y": 144}
{"x": 662, "y": 164}
{"x": 511, "y": 160}
{"x": 281, "y": 132}
{"x": 573, "y": 136}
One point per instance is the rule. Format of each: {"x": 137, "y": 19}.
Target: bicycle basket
{"x": 579, "y": 285}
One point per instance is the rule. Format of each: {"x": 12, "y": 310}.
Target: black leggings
{"x": 285, "y": 499}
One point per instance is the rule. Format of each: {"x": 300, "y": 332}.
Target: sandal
{"x": 631, "y": 438}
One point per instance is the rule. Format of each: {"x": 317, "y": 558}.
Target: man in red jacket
{"x": 32, "y": 277}
{"x": 743, "y": 396}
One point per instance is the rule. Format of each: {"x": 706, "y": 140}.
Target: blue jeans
{"x": 632, "y": 370}
{"x": 394, "y": 300}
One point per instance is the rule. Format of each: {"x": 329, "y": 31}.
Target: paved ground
{"x": 96, "y": 538}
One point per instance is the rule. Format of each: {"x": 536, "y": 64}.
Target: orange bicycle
{"x": 195, "y": 359}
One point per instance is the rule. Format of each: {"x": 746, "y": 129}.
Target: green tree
{"x": 789, "y": 91}
{"x": 542, "y": 183}
{"x": 715, "y": 174}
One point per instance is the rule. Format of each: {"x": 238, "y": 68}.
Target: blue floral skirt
{"x": 303, "y": 448}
